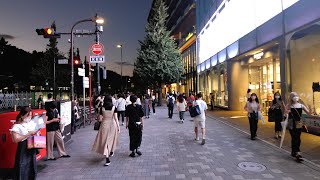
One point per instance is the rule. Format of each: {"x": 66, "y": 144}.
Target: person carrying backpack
{"x": 170, "y": 104}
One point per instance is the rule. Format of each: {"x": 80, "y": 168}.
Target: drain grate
{"x": 252, "y": 166}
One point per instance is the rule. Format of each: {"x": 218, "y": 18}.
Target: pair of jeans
{"x": 181, "y": 114}
{"x": 170, "y": 111}
{"x": 253, "y": 121}
{"x": 122, "y": 113}
{"x": 295, "y": 139}
{"x": 153, "y": 107}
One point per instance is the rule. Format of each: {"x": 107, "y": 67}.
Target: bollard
{"x": 15, "y": 107}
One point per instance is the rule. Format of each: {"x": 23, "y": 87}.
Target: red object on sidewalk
{"x": 7, "y": 147}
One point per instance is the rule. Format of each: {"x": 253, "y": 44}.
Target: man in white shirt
{"x": 170, "y": 104}
{"x": 200, "y": 120}
{"x": 121, "y": 107}
{"x": 128, "y": 102}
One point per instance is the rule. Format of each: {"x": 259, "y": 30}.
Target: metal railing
{"x": 13, "y": 100}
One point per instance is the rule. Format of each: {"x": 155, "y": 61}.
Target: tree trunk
{"x": 159, "y": 95}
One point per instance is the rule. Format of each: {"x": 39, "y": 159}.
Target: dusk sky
{"x": 125, "y": 21}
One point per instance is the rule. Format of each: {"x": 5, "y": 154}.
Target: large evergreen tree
{"x": 159, "y": 60}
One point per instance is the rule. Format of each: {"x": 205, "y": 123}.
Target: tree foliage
{"x": 159, "y": 60}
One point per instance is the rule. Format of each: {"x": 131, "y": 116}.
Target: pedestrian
{"x": 138, "y": 100}
{"x": 248, "y": 94}
{"x": 278, "y": 108}
{"x": 190, "y": 100}
{"x": 98, "y": 104}
{"x": 54, "y": 133}
{"x": 134, "y": 122}
{"x": 170, "y": 104}
{"x": 181, "y": 105}
{"x": 146, "y": 107}
{"x": 25, "y": 166}
{"x": 76, "y": 117}
{"x": 154, "y": 104}
{"x": 40, "y": 102}
{"x": 200, "y": 120}
{"x": 128, "y": 102}
{"x": 294, "y": 111}
{"x": 107, "y": 137}
{"x": 121, "y": 107}
{"x": 253, "y": 108}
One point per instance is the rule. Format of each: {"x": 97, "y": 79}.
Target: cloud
{"x": 7, "y": 36}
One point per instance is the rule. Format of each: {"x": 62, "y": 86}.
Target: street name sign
{"x": 85, "y": 82}
{"x": 62, "y": 61}
{"x": 97, "y": 59}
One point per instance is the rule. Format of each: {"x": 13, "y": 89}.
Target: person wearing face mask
{"x": 253, "y": 107}
{"x": 25, "y": 166}
{"x": 277, "y": 106}
{"x": 294, "y": 111}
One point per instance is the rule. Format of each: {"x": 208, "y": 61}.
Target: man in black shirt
{"x": 53, "y": 131}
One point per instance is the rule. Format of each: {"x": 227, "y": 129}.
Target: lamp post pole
{"x": 121, "y": 69}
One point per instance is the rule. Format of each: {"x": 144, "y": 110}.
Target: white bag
{"x": 260, "y": 117}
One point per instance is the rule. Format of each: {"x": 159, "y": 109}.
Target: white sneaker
{"x": 197, "y": 139}
{"x": 182, "y": 121}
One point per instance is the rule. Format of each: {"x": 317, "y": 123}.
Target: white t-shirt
{"x": 121, "y": 104}
{"x": 138, "y": 101}
{"x": 21, "y": 129}
{"x": 128, "y": 102}
{"x": 203, "y": 106}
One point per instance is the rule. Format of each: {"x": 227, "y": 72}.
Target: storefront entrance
{"x": 264, "y": 80}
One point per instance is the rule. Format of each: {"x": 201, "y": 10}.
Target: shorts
{"x": 201, "y": 124}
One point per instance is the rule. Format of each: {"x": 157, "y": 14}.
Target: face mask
{"x": 253, "y": 97}
{"x": 277, "y": 97}
{"x": 295, "y": 99}
{"x": 27, "y": 119}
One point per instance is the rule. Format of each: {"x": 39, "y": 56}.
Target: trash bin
{"x": 7, "y": 147}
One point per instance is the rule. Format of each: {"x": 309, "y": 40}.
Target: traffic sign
{"x": 62, "y": 61}
{"x": 97, "y": 49}
{"x": 81, "y": 72}
{"x": 97, "y": 59}
{"x": 85, "y": 82}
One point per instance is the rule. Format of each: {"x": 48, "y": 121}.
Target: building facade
{"x": 262, "y": 45}
{"x": 181, "y": 22}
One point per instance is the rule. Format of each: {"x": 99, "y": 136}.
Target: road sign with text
{"x": 85, "y": 82}
{"x": 97, "y": 49}
{"x": 81, "y": 72}
{"x": 97, "y": 59}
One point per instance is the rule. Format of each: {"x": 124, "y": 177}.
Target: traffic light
{"x": 48, "y": 33}
{"x": 76, "y": 61}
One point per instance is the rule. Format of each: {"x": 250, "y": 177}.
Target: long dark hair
{"x": 274, "y": 98}
{"x": 23, "y": 112}
{"x": 107, "y": 102}
{"x": 180, "y": 98}
{"x": 257, "y": 99}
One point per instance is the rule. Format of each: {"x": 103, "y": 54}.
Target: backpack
{"x": 195, "y": 110}
{"x": 170, "y": 101}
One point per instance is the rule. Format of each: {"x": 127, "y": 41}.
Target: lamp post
{"x": 120, "y": 46}
{"x": 96, "y": 20}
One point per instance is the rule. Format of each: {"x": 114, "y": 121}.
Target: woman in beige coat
{"x": 107, "y": 138}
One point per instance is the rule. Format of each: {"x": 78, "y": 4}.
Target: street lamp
{"x": 96, "y": 20}
{"x": 120, "y": 46}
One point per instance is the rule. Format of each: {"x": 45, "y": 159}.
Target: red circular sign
{"x": 97, "y": 49}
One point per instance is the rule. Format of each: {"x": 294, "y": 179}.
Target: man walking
{"x": 200, "y": 120}
{"x": 170, "y": 104}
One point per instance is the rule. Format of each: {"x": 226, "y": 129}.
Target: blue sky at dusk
{"x": 125, "y": 21}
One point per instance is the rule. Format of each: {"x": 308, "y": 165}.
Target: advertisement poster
{"x": 65, "y": 122}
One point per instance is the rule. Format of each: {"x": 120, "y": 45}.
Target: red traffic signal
{"x": 76, "y": 61}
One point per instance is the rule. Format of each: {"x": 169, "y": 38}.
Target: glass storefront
{"x": 304, "y": 58}
{"x": 189, "y": 62}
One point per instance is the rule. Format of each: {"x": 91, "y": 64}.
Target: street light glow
{"x": 99, "y": 20}
{"x": 119, "y": 46}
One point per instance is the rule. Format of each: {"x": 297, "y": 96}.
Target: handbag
{"x": 195, "y": 111}
{"x": 96, "y": 126}
{"x": 36, "y": 142}
{"x": 271, "y": 115}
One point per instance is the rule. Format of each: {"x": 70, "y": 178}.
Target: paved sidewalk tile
{"x": 170, "y": 152}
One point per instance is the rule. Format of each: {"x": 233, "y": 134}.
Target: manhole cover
{"x": 251, "y": 166}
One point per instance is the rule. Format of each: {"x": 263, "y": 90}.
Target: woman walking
{"x": 134, "y": 122}
{"x": 146, "y": 107}
{"x": 277, "y": 107}
{"x": 294, "y": 108}
{"x": 181, "y": 105}
{"x": 253, "y": 108}
{"x": 107, "y": 138}
{"x": 25, "y": 166}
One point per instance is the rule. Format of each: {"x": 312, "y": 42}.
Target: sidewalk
{"x": 170, "y": 152}
{"x": 310, "y": 144}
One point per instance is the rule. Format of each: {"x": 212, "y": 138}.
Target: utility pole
{"x": 97, "y": 64}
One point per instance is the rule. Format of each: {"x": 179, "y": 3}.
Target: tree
{"x": 159, "y": 59}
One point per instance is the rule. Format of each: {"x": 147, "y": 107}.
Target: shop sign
{"x": 258, "y": 55}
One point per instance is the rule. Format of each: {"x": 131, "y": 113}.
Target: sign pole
{"x": 90, "y": 92}
{"x": 84, "y": 96}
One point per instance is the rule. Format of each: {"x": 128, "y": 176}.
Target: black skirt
{"x": 25, "y": 166}
{"x": 135, "y": 134}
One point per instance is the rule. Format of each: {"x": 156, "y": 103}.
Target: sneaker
{"x": 139, "y": 153}
{"x": 122, "y": 123}
{"x": 182, "y": 121}
{"x": 111, "y": 154}
{"x": 132, "y": 154}
{"x": 65, "y": 156}
{"x": 276, "y": 137}
{"x": 299, "y": 157}
{"x": 196, "y": 139}
{"x": 108, "y": 162}
{"x": 203, "y": 141}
